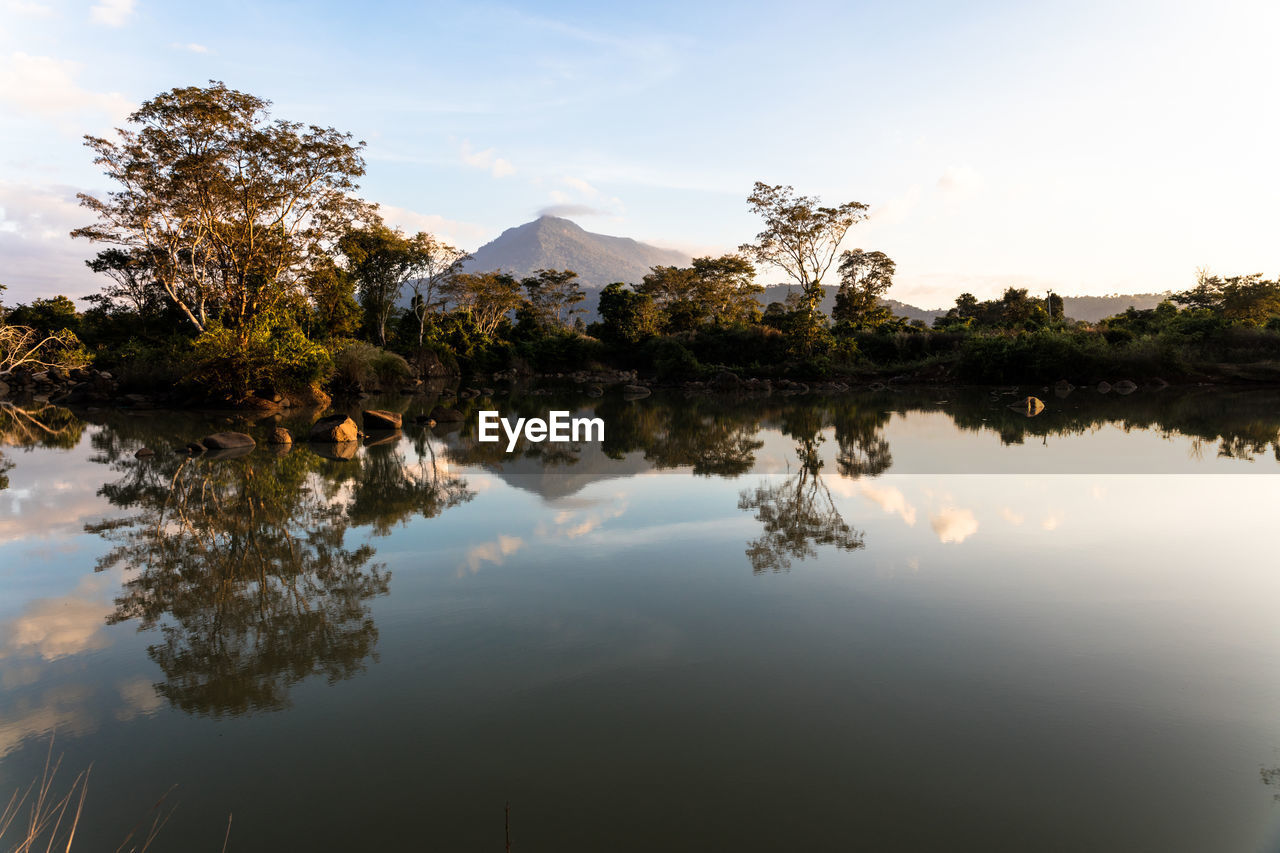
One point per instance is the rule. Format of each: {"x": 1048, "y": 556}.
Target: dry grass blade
{"x": 47, "y": 811}
{"x": 156, "y": 825}
{"x": 226, "y": 838}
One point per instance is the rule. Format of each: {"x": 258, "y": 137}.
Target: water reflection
{"x": 799, "y": 512}
{"x": 35, "y": 425}
{"x": 244, "y": 568}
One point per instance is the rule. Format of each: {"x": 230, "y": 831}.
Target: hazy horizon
{"x": 1084, "y": 148}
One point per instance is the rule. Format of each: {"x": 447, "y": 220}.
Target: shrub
{"x": 233, "y": 363}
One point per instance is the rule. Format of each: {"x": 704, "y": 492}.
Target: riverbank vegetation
{"x": 240, "y": 267}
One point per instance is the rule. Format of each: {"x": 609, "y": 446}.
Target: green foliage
{"x": 231, "y": 364}
{"x": 674, "y": 362}
{"x": 626, "y": 316}
{"x": 362, "y": 366}
{"x": 46, "y": 316}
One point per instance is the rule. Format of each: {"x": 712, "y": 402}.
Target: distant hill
{"x": 1091, "y": 309}
{"x": 554, "y": 243}
{"x": 779, "y": 293}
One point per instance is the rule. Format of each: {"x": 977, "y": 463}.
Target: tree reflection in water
{"x": 243, "y": 566}
{"x": 798, "y": 513}
{"x": 35, "y": 425}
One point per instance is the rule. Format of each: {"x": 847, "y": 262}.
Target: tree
{"x": 864, "y": 278}
{"x": 435, "y": 263}
{"x": 553, "y": 295}
{"x": 801, "y": 237}
{"x": 230, "y": 207}
{"x": 1057, "y": 309}
{"x": 334, "y": 312}
{"x": 626, "y": 316}
{"x": 487, "y": 297}
{"x": 380, "y": 260}
{"x": 712, "y": 290}
{"x": 1247, "y": 298}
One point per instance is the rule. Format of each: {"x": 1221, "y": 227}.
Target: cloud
{"x": 40, "y": 257}
{"x": 889, "y": 499}
{"x": 953, "y": 525}
{"x": 580, "y": 199}
{"x": 45, "y": 87}
{"x": 190, "y": 46}
{"x": 1051, "y": 521}
{"x": 961, "y": 182}
{"x": 19, "y": 8}
{"x": 460, "y": 233}
{"x": 111, "y": 13}
{"x": 1011, "y": 516}
{"x": 576, "y": 523}
{"x": 486, "y": 159}
{"x": 490, "y": 552}
{"x": 566, "y": 210}
{"x": 52, "y": 628}
{"x": 896, "y": 210}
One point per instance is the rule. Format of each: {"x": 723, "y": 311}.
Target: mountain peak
{"x": 552, "y": 242}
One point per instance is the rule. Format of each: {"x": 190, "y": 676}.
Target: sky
{"x": 1089, "y": 148}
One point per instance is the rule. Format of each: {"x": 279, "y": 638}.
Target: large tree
{"x": 380, "y": 261}
{"x": 801, "y": 236}
{"x": 230, "y": 207}
{"x": 554, "y": 296}
{"x": 864, "y": 278}
{"x": 435, "y": 264}
{"x": 487, "y": 297}
{"x": 712, "y": 290}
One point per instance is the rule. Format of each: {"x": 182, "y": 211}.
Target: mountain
{"x": 1091, "y": 309}
{"x": 779, "y": 292}
{"x": 553, "y": 243}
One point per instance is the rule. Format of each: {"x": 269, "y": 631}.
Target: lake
{"x": 911, "y": 620}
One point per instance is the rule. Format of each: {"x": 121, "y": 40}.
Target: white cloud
{"x": 961, "y": 182}
{"x": 1011, "y": 516}
{"x": 21, "y": 9}
{"x": 896, "y": 210}
{"x": 46, "y": 87}
{"x": 953, "y": 525}
{"x": 1051, "y": 521}
{"x": 40, "y": 257}
{"x": 495, "y": 552}
{"x": 111, "y": 13}
{"x": 461, "y": 234}
{"x": 486, "y": 159}
{"x": 190, "y": 46}
{"x": 889, "y": 499}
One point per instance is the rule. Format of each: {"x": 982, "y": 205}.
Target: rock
{"x": 380, "y": 419}
{"x": 280, "y": 435}
{"x": 725, "y": 381}
{"x": 1032, "y": 406}
{"x": 635, "y": 392}
{"x": 334, "y": 429}
{"x": 143, "y": 453}
{"x": 1104, "y": 387}
{"x": 440, "y": 414}
{"x": 228, "y": 441}
{"x": 1125, "y": 386}
{"x": 195, "y": 447}
{"x": 595, "y": 391}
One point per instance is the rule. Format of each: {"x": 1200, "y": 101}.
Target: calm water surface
{"x": 869, "y": 621}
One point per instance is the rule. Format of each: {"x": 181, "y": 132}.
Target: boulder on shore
{"x": 280, "y": 435}
{"x": 1125, "y": 386}
{"x": 334, "y": 429}
{"x": 635, "y": 392}
{"x": 228, "y": 441}
{"x": 380, "y": 419}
